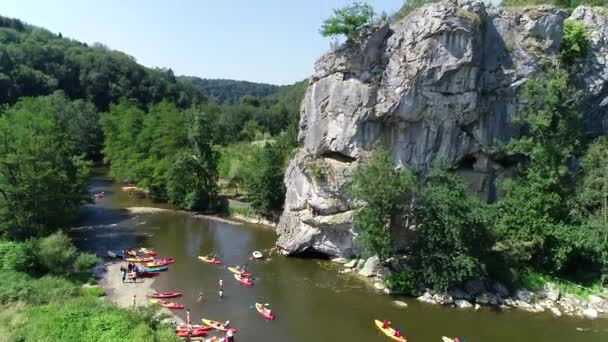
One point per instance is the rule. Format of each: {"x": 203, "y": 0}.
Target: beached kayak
{"x": 150, "y": 259}
{"x": 144, "y": 275}
{"x": 216, "y": 325}
{"x": 215, "y": 261}
{"x": 164, "y": 295}
{"x": 147, "y": 251}
{"x": 168, "y": 305}
{"x": 243, "y": 280}
{"x": 132, "y": 252}
{"x": 234, "y": 270}
{"x": 155, "y": 269}
{"x": 193, "y": 333}
{"x": 389, "y": 332}
{"x": 160, "y": 262}
{"x": 264, "y": 312}
{"x": 183, "y": 327}
{"x": 113, "y": 254}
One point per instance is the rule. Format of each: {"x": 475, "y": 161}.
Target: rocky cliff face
{"x": 439, "y": 84}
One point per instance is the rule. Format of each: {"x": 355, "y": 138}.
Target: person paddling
{"x": 386, "y": 324}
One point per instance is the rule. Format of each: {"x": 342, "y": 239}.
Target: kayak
{"x": 160, "y": 262}
{"x": 131, "y": 252}
{"x": 114, "y": 255}
{"x": 243, "y": 280}
{"x": 214, "y": 261}
{"x": 155, "y": 269}
{"x": 169, "y": 305}
{"x": 263, "y": 311}
{"x": 447, "y": 339}
{"x": 193, "y": 333}
{"x": 389, "y": 332}
{"x": 147, "y": 251}
{"x": 182, "y": 327}
{"x": 150, "y": 259}
{"x": 144, "y": 275}
{"x": 257, "y": 255}
{"x": 244, "y": 274}
{"x": 164, "y": 295}
{"x": 216, "y": 325}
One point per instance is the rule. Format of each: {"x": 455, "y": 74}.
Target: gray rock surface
{"x": 463, "y": 304}
{"x": 371, "y": 267}
{"x": 524, "y": 295}
{"x": 551, "y": 292}
{"x": 440, "y": 83}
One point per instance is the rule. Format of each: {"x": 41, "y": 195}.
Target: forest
{"x": 66, "y": 107}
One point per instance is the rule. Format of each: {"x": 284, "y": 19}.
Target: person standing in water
{"x": 200, "y": 297}
{"x": 221, "y": 293}
{"x": 221, "y": 282}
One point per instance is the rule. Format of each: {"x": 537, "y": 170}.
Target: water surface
{"x": 311, "y": 300}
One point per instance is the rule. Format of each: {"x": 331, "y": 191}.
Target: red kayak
{"x": 145, "y": 275}
{"x": 168, "y": 305}
{"x": 194, "y": 333}
{"x": 160, "y": 262}
{"x": 184, "y": 327}
{"x": 245, "y": 281}
{"x": 164, "y": 295}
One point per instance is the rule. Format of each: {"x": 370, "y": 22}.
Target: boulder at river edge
{"x": 371, "y": 267}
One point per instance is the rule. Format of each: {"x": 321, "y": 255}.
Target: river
{"x": 311, "y": 300}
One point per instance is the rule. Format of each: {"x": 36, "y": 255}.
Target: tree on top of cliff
{"x": 348, "y": 21}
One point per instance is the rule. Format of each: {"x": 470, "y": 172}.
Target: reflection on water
{"x": 311, "y": 301}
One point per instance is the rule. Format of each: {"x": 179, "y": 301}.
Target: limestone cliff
{"x": 438, "y": 84}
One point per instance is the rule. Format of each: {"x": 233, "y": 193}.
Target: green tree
{"x": 192, "y": 177}
{"x": 574, "y": 42}
{"x": 267, "y": 189}
{"x": 43, "y": 177}
{"x": 348, "y": 21}
{"x": 451, "y": 236}
{"x": 531, "y": 219}
{"x": 385, "y": 193}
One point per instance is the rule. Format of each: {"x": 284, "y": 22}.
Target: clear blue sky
{"x": 272, "y": 41}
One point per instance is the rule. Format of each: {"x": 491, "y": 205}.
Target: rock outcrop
{"x": 438, "y": 84}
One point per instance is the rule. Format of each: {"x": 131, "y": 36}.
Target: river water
{"x": 311, "y": 301}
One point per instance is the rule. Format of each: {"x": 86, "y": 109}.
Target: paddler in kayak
{"x": 397, "y": 333}
{"x": 386, "y": 324}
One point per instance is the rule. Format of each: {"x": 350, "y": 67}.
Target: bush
{"x": 348, "y": 21}
{"x": 574, "y": 42}
{"x": 15, "y": 256}
{"x": 56, "y": 253}
{"x": 84, "y": 262}
{"x": 404, "y": 283}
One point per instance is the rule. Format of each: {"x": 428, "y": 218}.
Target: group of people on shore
{"x": 131, "y": 270}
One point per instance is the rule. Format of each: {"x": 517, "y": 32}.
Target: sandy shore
{"x": 123, "y": 294}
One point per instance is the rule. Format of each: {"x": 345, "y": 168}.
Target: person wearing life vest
{"x": 386, "y": 324}
{"x": 397, "y": 333}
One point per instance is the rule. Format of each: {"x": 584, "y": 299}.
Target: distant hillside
{"x": 229, "y": 91}
{"x": 35, "y": 61}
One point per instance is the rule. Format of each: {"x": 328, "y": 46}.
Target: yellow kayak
{"x": 210, "y": 261}
{"x": 139, "y": 259}
{"x": 241, "y": 273}
{"x": 214, "y": 324}
{"x": 389, "y": 332}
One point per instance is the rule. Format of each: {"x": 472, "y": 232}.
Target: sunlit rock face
{"x": 440, "y": 84}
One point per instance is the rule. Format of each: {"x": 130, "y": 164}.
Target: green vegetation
{"x": 452, "y": 238}
{"x": 574, "y": 42}
{"x": 230, "y": 91}
{"x": 43, "y": 175}
{"x": 348, "y": 21}
{"x": 267, "y": 188}
{"x": 386, "y": 192}
{"x": 34, "y": 62}
{"x": 408, "y": 7}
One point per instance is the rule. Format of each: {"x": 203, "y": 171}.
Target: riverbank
{"x": 475, "y": 294}
{"x": 128, "y": 294}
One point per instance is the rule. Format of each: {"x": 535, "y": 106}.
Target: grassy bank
{"x": 42, "y": 298}
{"x": 536, "y": 281}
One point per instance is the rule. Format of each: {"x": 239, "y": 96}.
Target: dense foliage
{"x": 43, "y": 174}
{"x": 386, "y": 192}
{"x": 452, "y": 237}
{"x": 574, "y": 42}
{"x": 348, "y": 21}
{"x": 230, "y": 91}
